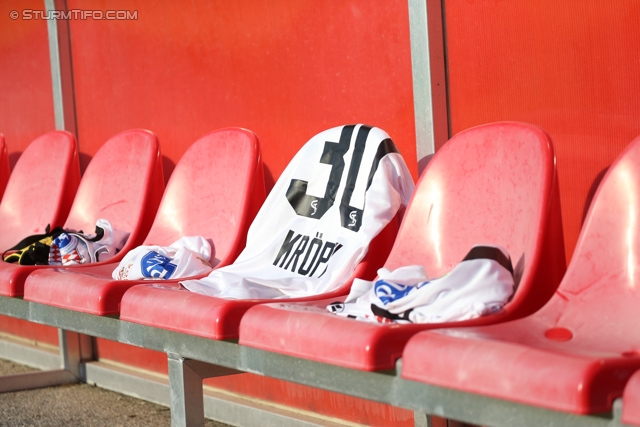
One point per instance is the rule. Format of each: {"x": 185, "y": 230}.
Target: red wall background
{"x": 290, "y": 69}
{"x": 569, "y": 66}
{"x": 286, "y": 70}
{"x": 26, "y": 100}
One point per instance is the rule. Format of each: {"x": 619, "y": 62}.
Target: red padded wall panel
{"x": 286, "y": 70}
{"x": 33, "y": 332}
{"x": 26, "y": 100}
{"x": 569, "y": 66}
{"x": 318, "y": 401}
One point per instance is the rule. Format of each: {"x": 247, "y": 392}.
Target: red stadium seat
{"x": 214, "y": 191}
{"x": 41, "y": 188}
{"x": 493, "y": 184}
{"x": 631, "y": 401}
{"x": 123, "y": 184}
{"x": 4, "y": 165}
{"x": 577, "y": 353}
{"x": 217, "y": 318}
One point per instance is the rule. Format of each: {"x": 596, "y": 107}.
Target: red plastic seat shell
{"x": 535, "y": 371}
{"x": 224, "y": 166}
{"x": 175, "y": 309}
{"x": 5, "y": 171}
{"x": 41, "y": 188}
{"x": 210, "y": 317}
{"x": 353, "y": 344}
{"x": 631, "y": 401}
{"x": 494, "y": 184}
{"x": 123, "y": 183}
{"x": 89, "y": 289}
{"x": 579, "y": 350}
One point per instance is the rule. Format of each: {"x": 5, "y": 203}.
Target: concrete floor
{"x": 77, "y": 405}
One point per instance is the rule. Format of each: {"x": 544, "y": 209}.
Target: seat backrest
{"x": 123, "y": 184}
{"x": 4, "y": 165}
{"x": 41, "y": 187}
{"x": 603, "y": 277}
{"x": 493, "y": 184}
{"x": 214, "y": 191}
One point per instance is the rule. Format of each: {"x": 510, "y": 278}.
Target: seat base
{"x": 548, "y": 370}
{"x": 171, "y": 307}
{"x": 310, "y": 332}
{"x": 89, "y": 289}
{"x": 631, "y": 401}
{"x": 13, "y": 276}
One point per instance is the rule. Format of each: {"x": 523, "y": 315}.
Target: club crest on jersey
{"x": 304, "y": 255}
{"x": 156, "y": 265}
{"x": 390, "y": 291}
{"x": 353, "y": 216}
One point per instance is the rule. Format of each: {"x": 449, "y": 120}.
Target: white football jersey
{"x": 186, "y": 257}
{"x": 337, "y": 193}
{"x": 479, "y": 285}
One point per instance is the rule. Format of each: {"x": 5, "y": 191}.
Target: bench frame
{"x": 193, "y": 358}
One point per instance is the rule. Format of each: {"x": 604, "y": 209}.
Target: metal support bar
{"x": 208, "y": 370}
{"x": 71, "y": 361}
{"x": 61, "y": 68}
{"x": 74, "y": 349}
{"x": 14, "y": 307}
{"x": 187, "y": 405}
{"x": 185, "y": 383}
{"x": 428, "y": 67}
{"x": 387, "y": 387}
{"x": 420, "y": 419}
{"x": 487, "y": 411}
{"x": 31, "y": 380}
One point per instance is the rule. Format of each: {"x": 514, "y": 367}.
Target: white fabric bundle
{"x": 187, "y": 257}
{"x": 71, "y": 248}
{"x": 481, "y": 284}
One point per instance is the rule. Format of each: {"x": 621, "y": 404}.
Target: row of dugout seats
{"x": 564, "y": 342}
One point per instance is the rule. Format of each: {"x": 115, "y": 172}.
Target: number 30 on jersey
{"x": 333, "y": 155}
